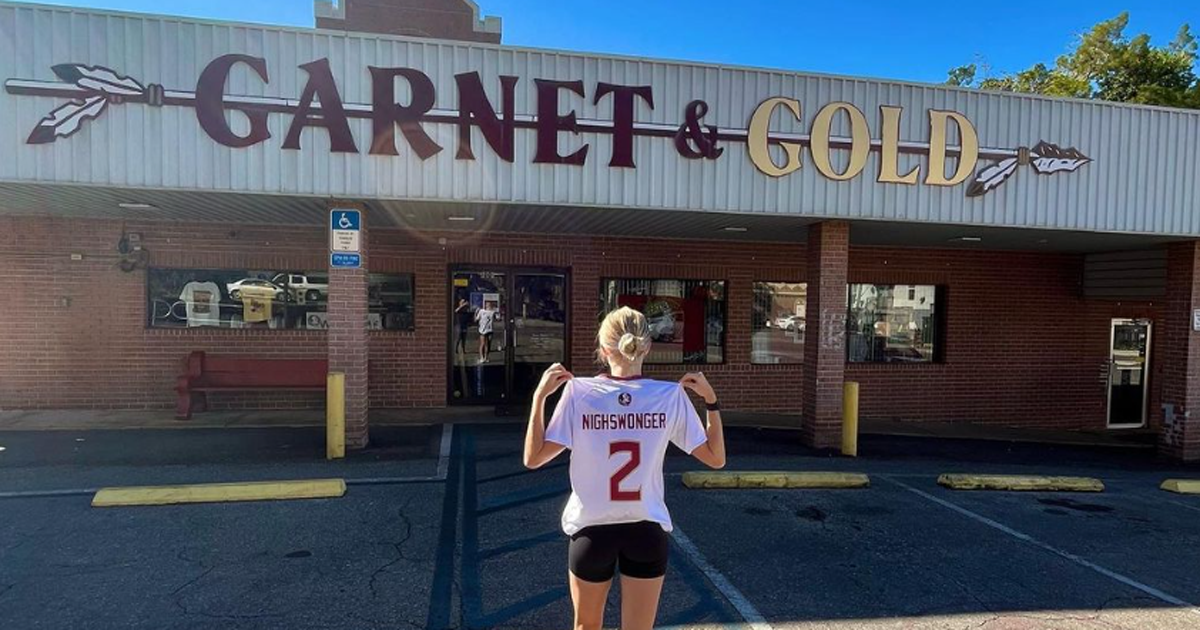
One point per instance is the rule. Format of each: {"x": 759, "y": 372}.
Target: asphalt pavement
{"x": 466, "y": 538}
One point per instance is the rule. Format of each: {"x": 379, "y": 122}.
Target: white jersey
{"x": 618, "y": 432}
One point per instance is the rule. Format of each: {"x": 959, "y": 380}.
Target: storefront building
{"x": 375, "y": 199}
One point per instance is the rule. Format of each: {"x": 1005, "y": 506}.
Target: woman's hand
{"x": 552, "y": 379}
{"x": 696, "y": 382}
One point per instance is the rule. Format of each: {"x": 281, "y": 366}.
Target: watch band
{"x": 713, "y": 406}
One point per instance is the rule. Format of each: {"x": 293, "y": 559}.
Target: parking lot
{"x": 476, "y": 544}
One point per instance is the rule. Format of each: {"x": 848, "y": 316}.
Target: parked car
{"x": 662, "y": 327}
{"x": 235, "y": 288}
{"x": 790, "y": 323}
{"x": 311, "y": 289}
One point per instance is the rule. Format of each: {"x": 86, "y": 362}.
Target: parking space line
{"x": 444, "y": 452}
{"x": 1185, "y": 505}
{"x": 44, "y": 494}
{"x": 735, "y": 597}
{"x": 1128, "y": 581}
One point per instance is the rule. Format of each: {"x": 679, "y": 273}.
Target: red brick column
{"x": 1180, "y": 355}
{"x": 348, "y": 343}
{"x": 825, "y": 333}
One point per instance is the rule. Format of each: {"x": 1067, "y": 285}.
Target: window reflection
{"x": 778, "y": 322}
{"x": 256, "y": 298}
{"x": 687, "y": 317}
{"x": 892, "y": 323}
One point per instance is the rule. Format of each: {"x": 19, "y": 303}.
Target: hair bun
{"x": 630, "y": 346}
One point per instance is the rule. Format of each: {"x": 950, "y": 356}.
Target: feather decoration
{"x": 98, "y": 79}
{"x": 67, "y": 119}
{"x": 991, "y": 177}
{"x": 1054, "y": 159}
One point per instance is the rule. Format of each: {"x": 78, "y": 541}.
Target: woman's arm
{"x": 712, "y": 452}
{"x": 537, "y": 450}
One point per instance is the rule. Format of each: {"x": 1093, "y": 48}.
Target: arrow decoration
{"x": 99, "y": 86}
{"x": 1046, "y": 159}
{"x": 67, "y": 119}
{"x": 98, "y": 79}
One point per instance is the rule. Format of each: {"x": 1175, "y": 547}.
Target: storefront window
{"x": 279, "y": 300}
{"x": 390, "y": 302}
{"x": 777, "y": 322}
{"x": 894, "y": 323}
{"x": 687, "y": 317}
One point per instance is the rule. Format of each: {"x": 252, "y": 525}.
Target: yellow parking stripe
{"x": 1182, "y": 486}
{"x": 778, "y": 479}
{"x": 221, "y": 492}
{"x": 1021, "y": 483}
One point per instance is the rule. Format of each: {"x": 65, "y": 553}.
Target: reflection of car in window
{"x": 789, "y": 323}
{"x": 662, "y": 327}
{"x": 235, "y": 288}
{"x": 310, "y": 288}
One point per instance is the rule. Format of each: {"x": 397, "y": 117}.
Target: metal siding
{"x": 1142, "y": 178}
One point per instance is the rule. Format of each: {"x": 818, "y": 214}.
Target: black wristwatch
{"x": 713, "y": 406}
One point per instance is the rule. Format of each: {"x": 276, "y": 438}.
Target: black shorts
{"x": 639, "y": 549}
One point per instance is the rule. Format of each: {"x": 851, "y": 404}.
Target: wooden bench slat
{"x": 232, "y": 373}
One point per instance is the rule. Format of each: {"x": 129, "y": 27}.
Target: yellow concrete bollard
{"x": 850, "y": 419}
{"x": 335, "y": 416}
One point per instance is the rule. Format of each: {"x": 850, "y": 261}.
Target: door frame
{"x": 510, "y": 274}
{"x": 1108, "y": 389}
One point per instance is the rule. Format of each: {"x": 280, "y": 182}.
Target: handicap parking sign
{"x": 345, "y": 219}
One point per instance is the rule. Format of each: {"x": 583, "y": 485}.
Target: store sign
{"x": 92, "y": 89}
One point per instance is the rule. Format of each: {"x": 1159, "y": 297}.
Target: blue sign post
{"x": 345, "y": 231}
{"x": 341, "y": 259}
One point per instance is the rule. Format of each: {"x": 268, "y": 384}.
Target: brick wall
{"x": 441, "y": 19}
{"x": 73, "y": 334}
{"x": 1180, "y": 376}
{"x": 1023, "y": 347}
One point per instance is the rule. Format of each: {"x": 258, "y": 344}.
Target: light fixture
{"x": 460, "y": 218}
{"x": 137, "y": 206}
{"x": 968, "y": 239}
{"x": 735, "y": 228}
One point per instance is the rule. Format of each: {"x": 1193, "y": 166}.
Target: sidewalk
{"x": 86, "y": 420}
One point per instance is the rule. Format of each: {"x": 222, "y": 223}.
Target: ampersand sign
{"x": 691, "y": 140}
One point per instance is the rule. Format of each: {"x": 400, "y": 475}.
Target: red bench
{"x": 243, "y": 374}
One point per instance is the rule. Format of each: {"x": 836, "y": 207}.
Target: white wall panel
{"x": 1143, "y": 178}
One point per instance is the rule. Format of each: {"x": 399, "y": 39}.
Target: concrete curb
{"x": 763, "y": 479}
{"x": 221, "y": 492}
{"x": 1020, "y": 483}
{"x": 1181, "y": 486}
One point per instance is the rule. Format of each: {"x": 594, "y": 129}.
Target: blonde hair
{"x": 626, "y": 332}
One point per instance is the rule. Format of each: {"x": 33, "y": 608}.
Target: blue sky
{"x": 915, "y": 41}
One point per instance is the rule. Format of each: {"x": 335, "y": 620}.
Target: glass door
{"x": 539, "y": 329}
{"x": 478, "y": 327}
{"x": 1129, "y": 364}
{"x": 506, "y": 327}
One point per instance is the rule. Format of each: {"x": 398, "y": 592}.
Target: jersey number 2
{"x": 635, "y": 459}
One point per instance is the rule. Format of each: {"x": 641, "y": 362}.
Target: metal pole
{"x": 335, "y": 416}
{"x": 850, "y": 419}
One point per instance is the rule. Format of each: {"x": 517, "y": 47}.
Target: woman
{"x": 463, "y": 318}
{"x": 618, "y": 426}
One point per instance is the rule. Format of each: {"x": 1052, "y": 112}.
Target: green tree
{"x": 1107, "y": 65}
